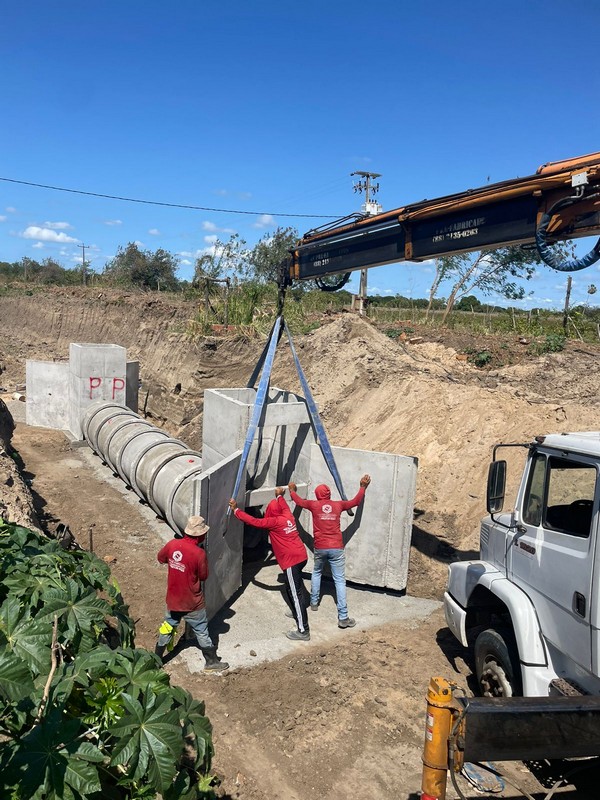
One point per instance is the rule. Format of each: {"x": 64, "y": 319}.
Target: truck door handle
{"x": 579, "y": 604}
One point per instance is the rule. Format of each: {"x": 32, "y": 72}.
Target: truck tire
{"x": 497, "y": 663}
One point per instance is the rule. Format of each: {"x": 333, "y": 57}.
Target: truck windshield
{"x": 560, "y": 494}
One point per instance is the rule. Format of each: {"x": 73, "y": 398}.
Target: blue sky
{"x": 267, "y": 107}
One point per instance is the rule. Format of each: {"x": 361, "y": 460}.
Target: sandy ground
{"x": 344, "y": 714}
{"x": 341, "y": 715}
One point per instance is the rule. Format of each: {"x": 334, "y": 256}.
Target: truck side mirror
{"x": 496, "y": 486}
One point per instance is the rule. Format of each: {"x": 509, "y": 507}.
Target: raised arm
{"x": 300, "y": 501}
{"x": 256, "y": 523}
{"x": 357, "y": 500}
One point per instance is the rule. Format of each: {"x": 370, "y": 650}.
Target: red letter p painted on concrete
{"x": 118, "y": 386}
{"x": 94, "y": 384}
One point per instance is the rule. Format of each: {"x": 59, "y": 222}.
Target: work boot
{"x": 346, "y": 623}
{"x": 159, "y": 651}
{"x": 289, "y": 613}
{"x": 300, "y": 636}
{"x": 212, "y": 659}
{"x": 314, "y": 606}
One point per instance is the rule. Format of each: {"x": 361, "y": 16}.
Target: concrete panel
{"x": 98, "y": 372}
{"x": 225, "y": 539}
{"x": 281, "y": 448}
{"x": 47, "y": 401}
{"x": 378, "y": 536}
{"x": 132, "y": 378}
{"x": 97, "y": 359}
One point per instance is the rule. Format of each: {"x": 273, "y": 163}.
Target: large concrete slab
{"x": 281, "y": 446}
{"x": 377, "y": 537}
{"x": 47, "y": 401}
{"x": 225, "y": 540}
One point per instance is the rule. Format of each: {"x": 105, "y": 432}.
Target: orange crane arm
{"x": 560, "y": 201}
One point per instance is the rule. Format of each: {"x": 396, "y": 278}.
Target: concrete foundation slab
{"x": 251, "y": 628}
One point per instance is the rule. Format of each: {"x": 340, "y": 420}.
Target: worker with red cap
{"x": 188, "y": 568}
{"x": 290, "y": 553}
{"x": 329, "y": 543}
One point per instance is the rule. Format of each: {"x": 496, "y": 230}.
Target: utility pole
{"x": 370, "y": 208}
{"x": 83, "y": 275}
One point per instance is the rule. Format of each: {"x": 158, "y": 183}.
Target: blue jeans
{"x": 195, "y": 619}
{"x": 337, "y": 562}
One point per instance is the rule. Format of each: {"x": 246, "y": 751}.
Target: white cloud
{"x": 209, "y": 226}
{"x": 137, "y": 243}
{"x": 46, "y": 235}
{"x": 222, "y": 192}
{"x": 185, "y": 254}
{"x": 113, "y": 222}
{"x": 388, "y": 291}
{"x": 264, "y": 221}
{"x": 58, "y": 226}
{"x": 186, "y": 262}
{"x": 154, "y": 232}
{"x": 212, "y": 239}
{"x": 3, "y": 218}
{"x": 38, "y": 245}
{"x": 10, "y": 209}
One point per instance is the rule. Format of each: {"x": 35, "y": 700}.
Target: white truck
{"x": 531, "y": 604}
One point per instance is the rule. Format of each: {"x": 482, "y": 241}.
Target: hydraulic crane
{"x": 560, "y": 201}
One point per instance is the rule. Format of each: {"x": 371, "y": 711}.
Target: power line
{"x": 168, "y": 205}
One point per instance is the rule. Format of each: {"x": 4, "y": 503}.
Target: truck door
{"x": 551, "y": 554}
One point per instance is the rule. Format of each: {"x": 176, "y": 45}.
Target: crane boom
{"x": 560, "y": 201}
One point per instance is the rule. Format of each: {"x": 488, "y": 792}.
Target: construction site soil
{"x": 332, "y": 722}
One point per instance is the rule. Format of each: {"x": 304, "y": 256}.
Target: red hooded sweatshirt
{"x": 187, "y": 569}
{"x": 279, "y": 521}
{"x": 326, "y": 516}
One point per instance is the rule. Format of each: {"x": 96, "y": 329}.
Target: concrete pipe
{"x": 157, "y": 467}
{"x": 99, "y": 414}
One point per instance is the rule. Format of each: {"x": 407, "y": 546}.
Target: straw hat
{"x": 196, "y": 526}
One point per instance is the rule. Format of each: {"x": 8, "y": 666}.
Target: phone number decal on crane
{"x": 459, "y": 230}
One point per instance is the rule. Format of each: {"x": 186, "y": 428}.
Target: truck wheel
{"x": 497, "y": 663}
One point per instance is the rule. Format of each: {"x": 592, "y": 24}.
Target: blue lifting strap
{"x": 259, "y": 402}
{"x": 316, "y": 421}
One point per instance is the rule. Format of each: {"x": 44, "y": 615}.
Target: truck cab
{"x": 530, "y": 607}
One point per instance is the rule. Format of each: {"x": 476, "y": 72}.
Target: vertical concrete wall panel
{"x": 378, "y": 536}
{"x": 47, "y": 400}
{"x": 224, "y": 542}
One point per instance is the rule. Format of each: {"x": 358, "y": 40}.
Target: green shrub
{"x": 552, "y": 343}
{"x": 83, "y": 714}
{"x": 481, "y": 358}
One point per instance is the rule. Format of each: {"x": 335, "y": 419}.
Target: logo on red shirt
{"x": 177, "y": 555}
{"x": 327, "y": 509}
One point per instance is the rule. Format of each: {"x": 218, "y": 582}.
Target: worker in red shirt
{"x": 289, "y": 552}
{"x": 329, "y": 543}
{"x": 188, "y": 567}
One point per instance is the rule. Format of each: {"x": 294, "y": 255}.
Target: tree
{"x": 52, "y": 272}
{"x": 265, "y": 258}
{"x": 220, "y": 260}
{"x": 132, "y": 266}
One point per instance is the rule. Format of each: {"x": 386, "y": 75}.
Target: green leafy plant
{"x": 481, "y": 358}
{"x": 552, "y": 343}
{"x": 83, "y": 714}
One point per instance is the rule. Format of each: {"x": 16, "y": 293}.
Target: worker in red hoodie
{"x": 329, "y": 543}
{"x": 188, "y": 567}
{"x": 289, "y": 552}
